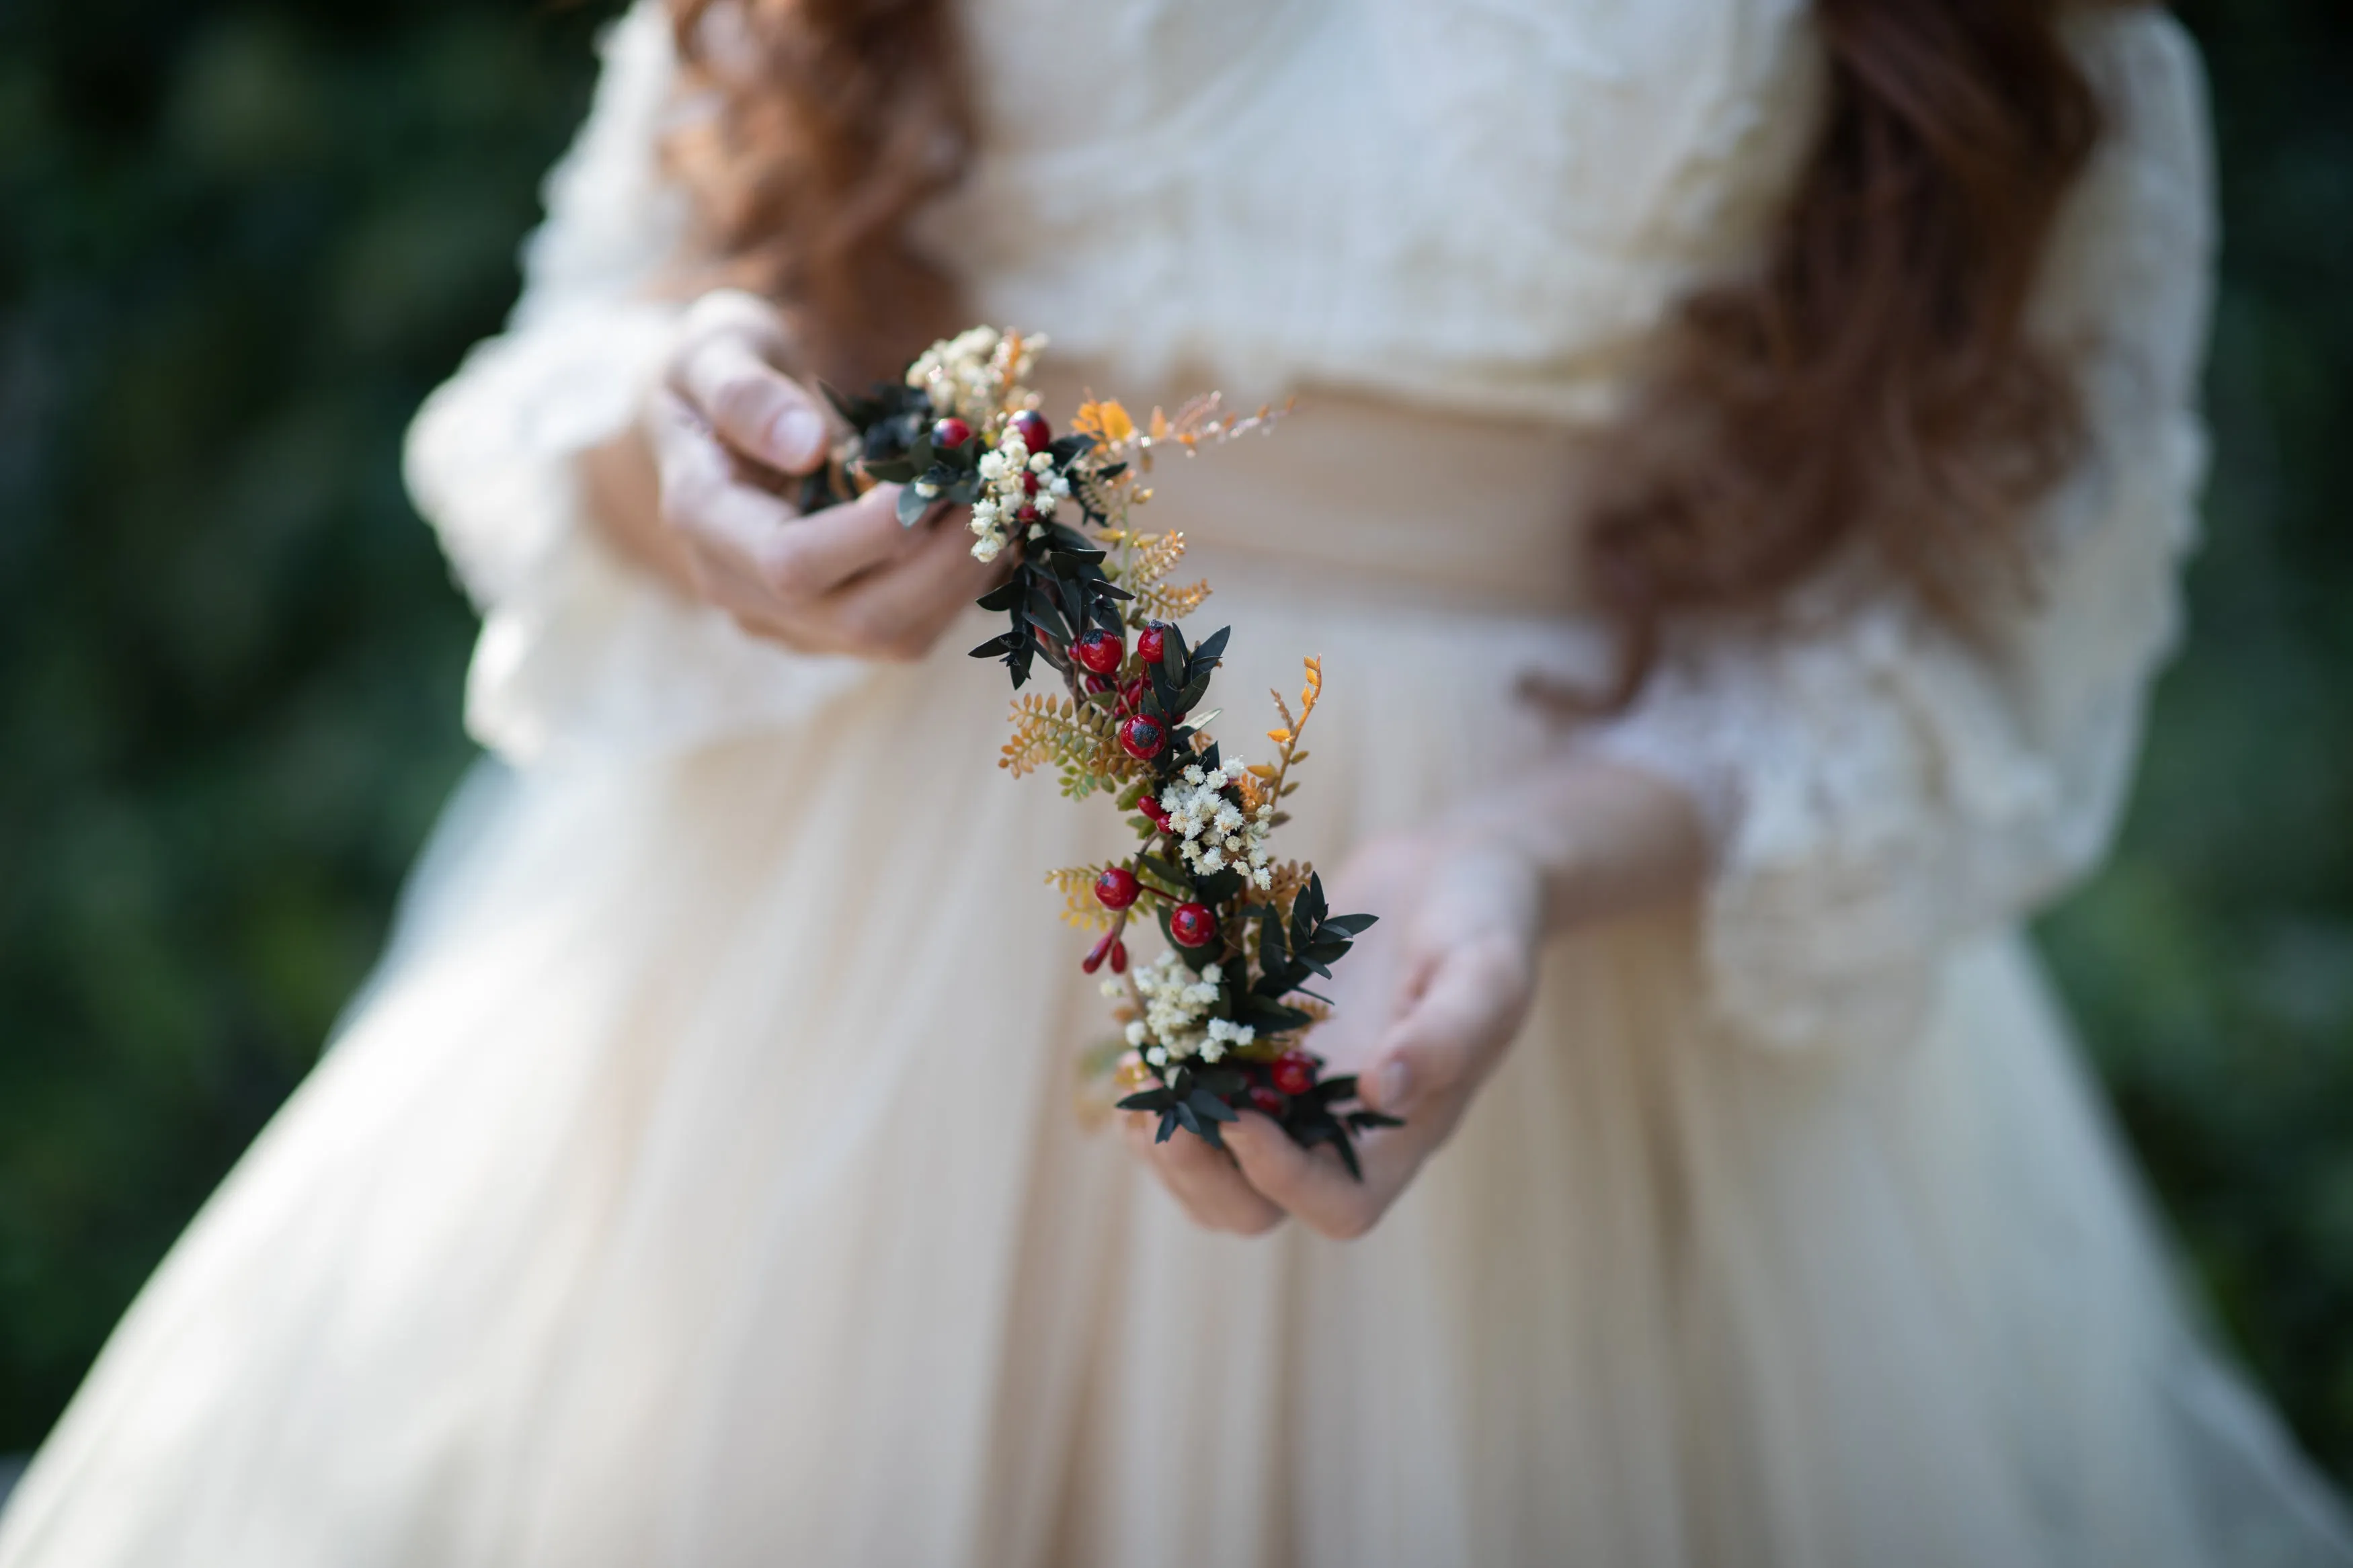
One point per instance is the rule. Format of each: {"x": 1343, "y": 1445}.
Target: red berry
{"x": 1094, "y": 959}
{"x": 1028, "y": 484}
{"x": 1032, "y": 426}
{"x": 1118, "y": 956}
{"x": 1151, "y": 643}
{"x": 1131, "y": 696}
{"x": 1150, "y": 806}
{"x": 1193, "y": 926}
{"x": 1098, "y": 683}
{"x": 1267, "y": 1101}
{"x": 1026, "y": 514}
{"x": 1294, "y": 1072}
{"x": 1099, "y": 650}
{"x": 950, "y": 433}
{"x": 1141, "y": 736}
{"x": 1116, "y": 888}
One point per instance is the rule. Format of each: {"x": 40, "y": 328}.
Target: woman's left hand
{"x": 1425, "y": 1004}
{"x": 1428, "y": 999}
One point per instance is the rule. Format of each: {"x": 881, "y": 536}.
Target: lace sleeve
{"x": 1877, "y": 789}
{"x": 581, "y": 652}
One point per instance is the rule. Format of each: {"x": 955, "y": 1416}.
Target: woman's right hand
{"x": 725, "y": 425}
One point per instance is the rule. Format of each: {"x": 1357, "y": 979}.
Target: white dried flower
{"x": 1211, "y": 830}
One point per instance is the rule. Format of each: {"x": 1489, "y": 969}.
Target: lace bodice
{"x": 1480, "y": 206}
{"x": 1485, "y": 205}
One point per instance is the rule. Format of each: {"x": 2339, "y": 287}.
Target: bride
{"x": 1741, "y": 454}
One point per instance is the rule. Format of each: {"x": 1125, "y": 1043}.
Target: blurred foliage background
{"x": 239, "y": 239}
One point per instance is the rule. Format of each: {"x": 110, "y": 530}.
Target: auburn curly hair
{"x": 1871, "y": 384}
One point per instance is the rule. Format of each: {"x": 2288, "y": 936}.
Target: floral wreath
{"x": 1219, "y": 1020}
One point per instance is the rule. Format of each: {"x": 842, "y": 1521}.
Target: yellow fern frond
{"x": 1080, "y": 739}
{"x": 1047, "y": 728}
{"x": 1155, "y": 556}
{"x": 1164, "y": 602}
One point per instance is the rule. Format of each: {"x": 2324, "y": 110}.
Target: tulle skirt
{"x": 701, "y": 1183}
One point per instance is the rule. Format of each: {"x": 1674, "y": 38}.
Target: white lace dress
{"x": 652, "y": 1210}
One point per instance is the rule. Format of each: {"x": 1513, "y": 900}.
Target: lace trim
{"x": 1878, "y": 792}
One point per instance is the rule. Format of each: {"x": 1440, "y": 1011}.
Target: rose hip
{"x": 1116, "y": 888}
{"x": 1294, "y": 1072}
{"x": 1141, "y": 737}
{"x": 1193, "y": 926}
{"x": 1099, "y": 650}
{"x": 1032, "y": 426}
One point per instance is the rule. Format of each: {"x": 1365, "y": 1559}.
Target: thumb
{"x": 1446, "y": 1035}
{"x": 758, "y": 410}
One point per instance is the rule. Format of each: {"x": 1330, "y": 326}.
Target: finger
{"x": 758, "y": 409}
{"x": 1201, "y": 1179}
{"x": 1309, "y": 1183}
{"x": 702, "y": 496}
{"x": 901, "y": 609}
{"x": 826, "y": 549}
{"x": 1465, "y": 1011}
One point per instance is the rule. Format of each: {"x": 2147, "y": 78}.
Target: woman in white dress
{"x": 697, "y": 1185}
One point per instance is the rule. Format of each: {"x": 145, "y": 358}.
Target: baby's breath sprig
{"x": 1220, "y": 1020}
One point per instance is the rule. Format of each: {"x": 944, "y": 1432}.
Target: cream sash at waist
{"x": 1372, "y": 499}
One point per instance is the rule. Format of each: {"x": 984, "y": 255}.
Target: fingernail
{"x": 799, "y": 436}
{"x": 1396, "y": 1082}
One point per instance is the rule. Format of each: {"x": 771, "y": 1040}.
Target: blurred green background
{"x": 239, "y": 240}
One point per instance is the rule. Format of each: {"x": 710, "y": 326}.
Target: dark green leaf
{"x": 1268, "y": 1017}
{"x": 1166, "y": 872}
{"x": 1203, "y": 659}
{"x": 1206, "y": 1104}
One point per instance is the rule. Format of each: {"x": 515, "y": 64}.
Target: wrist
{"x": 1597, "y": 840}
{"x": 1497, "y": 884}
